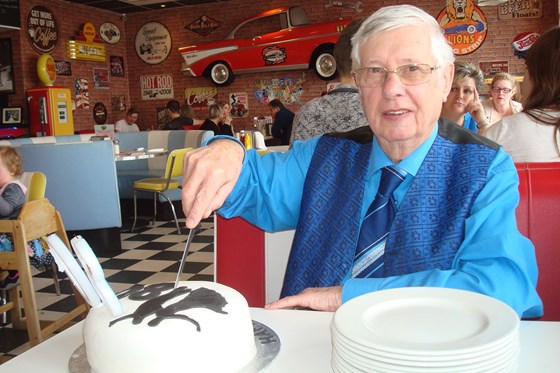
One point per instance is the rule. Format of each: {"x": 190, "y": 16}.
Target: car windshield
{"x": 261, "y": 26}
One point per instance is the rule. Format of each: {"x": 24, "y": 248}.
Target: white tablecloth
{"x": 305, "y": 345}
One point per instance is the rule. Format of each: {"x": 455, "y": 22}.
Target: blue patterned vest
{"x": 430, "y": 222}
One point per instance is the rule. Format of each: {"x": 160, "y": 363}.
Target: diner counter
{"x": 305, "y": 345}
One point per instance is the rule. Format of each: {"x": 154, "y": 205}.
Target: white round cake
{"x": 198, "y": 327}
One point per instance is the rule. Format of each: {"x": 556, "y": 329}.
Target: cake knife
{"x": 184, "y": 258}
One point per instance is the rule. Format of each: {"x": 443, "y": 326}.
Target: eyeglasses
{"x": 498, "y": 90}
{"x": 411, "y": 74}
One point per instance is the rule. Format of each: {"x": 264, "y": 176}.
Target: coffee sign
{"x": 42, "y": 29}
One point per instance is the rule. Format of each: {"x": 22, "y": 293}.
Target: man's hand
{"x": 209, "y": 175}
{"x": 319, "y": 299}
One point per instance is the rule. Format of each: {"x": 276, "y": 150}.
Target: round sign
{"x": 99, "y": 113}
{"x": 46, "y": 69}
{"x": 42, "y": 29}
{"x": 110, "y": 33}
{"x": 464, "y": 27}
{"x": 153, "y": 43}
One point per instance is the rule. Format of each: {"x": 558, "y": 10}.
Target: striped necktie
{"x": 368, "y": 260}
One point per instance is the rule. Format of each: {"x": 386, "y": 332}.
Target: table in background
{"x": 132, "y": 155}
{"x": 305, "y": 345}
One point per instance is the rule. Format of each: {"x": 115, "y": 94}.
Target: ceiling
{"x": 134, "y": 6}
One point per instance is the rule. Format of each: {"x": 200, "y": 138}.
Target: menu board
{"x": 9, "y": 14}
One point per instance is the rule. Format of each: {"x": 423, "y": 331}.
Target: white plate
{"x": 68, "y": 264}
{"x": 423, "y": 320}
{"x": 421, "y": 361}
{"x": 508, "y": 355}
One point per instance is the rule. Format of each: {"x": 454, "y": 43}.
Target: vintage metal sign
{"x": 42, "y": 29}
{"x": 464, "y": 25}
{"x": 153, "y": 43}
{"x": 156, "y": 87}
{"x": 520, "y": 9}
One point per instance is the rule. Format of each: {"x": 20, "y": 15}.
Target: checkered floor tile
{"x": 149, "y": 255}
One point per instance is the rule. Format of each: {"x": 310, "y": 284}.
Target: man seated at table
{"x": 454, "y": 204}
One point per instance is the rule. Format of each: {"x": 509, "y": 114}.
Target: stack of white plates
{"x": 425, "y": 330}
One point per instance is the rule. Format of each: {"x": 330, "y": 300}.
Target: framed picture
{"x": 117, "y": 65}
{"x": 6, "y": 67}
{"x": 11, "y": 115}
{"x": 101, "y": 78}
{"x": 63, "y": 68}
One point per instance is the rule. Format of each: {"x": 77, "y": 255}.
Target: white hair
{"x": 396, "y": 16}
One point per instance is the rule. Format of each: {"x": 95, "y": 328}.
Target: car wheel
{"x": 325, "y": 65}
{"x": 220, "y": 74}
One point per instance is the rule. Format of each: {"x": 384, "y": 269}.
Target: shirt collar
{"x": 410, "y": 164}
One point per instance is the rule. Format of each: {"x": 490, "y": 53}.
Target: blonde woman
{"x": 502, "y": 89}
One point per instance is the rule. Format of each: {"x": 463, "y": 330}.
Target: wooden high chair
{"x": 37, "y": 219}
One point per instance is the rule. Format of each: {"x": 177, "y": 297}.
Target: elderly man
{"x": 452, "y": 194}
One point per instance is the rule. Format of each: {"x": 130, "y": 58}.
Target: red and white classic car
{"x": 278, "y": 39}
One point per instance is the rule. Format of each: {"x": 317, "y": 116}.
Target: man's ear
{"x": 448, "y": 72}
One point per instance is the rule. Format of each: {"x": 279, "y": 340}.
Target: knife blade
{"x": 184, "y": 258}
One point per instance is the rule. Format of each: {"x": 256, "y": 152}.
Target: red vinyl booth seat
{"x": 538, "y": 218}
{"x": 241, "y": 254}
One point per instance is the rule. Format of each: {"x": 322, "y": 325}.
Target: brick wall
{"x": 71, "y": 18}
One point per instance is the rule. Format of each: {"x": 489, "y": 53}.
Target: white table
{"x": 132, "y": 155}
{"x": 305, "y": 345}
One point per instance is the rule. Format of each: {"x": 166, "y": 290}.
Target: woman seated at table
{"x": 216, "y": 121}
{"x": 462, "y": 105}
{"x": 502, "y": 89}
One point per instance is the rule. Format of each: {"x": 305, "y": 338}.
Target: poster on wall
{"x": 82, "y": 93}
{"x": 153, "y": 43}
{"x": 156, "y": 87}
{"x": 287, "y": 89}
{"x": 6, "y": 70}
{"x": 239, "y": 103}
{"x": 110, "y": 33}
{"x": 161, "y": 117}
{"x": 464, "y": 26}
{"x": 491, "y": 68}
{"x": 100, "y": 78}
{"x": 520, "y": 9}
{"x": 42, "y": 29}
{"x": 118, "y": 103}
{"x": 199, "y": 98}
{"x": 203, "y": 25}
{"x": 63, "y": 68}
{"x": 117, "y": 65}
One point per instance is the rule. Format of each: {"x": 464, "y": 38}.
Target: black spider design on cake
{"x": 154, "y": 300}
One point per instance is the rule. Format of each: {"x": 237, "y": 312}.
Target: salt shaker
{"x": 116, "y": 147}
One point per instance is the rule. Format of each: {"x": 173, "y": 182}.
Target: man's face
{"x": 401, "y": 115}
{"x": 273, "y": 111}
{"x": 132, "y": 118}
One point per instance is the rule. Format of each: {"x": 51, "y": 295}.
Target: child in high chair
{"x": 12, "y": 198}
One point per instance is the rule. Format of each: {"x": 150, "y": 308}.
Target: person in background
{"x": 283, "y": 119}
{"x": 213, "y": 123}
{"x": 12, "y": 198}
{"x": 463, "y": 104}
{"x": 502, "y": 89}
{"x": 176, "y": 120}
{"x": 339, "y": 109}
{"x": 453, "y": 194}
{"x": 227, "y": 119}
{"x": 533, "y": 134}
{"x": 129, "y": 123}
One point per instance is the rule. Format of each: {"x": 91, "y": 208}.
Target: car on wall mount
{"x": 276, "y": 40}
